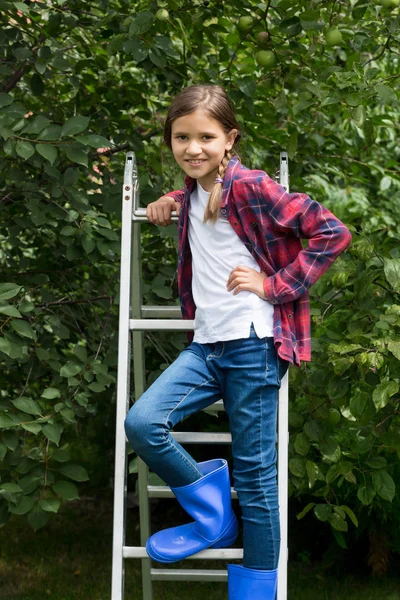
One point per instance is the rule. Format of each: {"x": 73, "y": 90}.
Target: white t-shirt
{"x": 216, "y": 251}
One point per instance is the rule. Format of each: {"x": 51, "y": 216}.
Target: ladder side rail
{"x": 283, "y": 441}
{"x": 140, "y": 385}
{"x": 123, "y": 387}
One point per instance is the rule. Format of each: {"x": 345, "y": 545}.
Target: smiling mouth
{"x": 195, "y": 162}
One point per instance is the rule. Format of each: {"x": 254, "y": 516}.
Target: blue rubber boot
{"x": 251, "y": 584}
{"x": 208, "y": 501}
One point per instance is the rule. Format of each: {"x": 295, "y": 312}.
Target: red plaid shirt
{"x": 270, "y": 222}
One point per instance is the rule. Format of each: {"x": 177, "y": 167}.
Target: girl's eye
{"x": 182, "y": 136}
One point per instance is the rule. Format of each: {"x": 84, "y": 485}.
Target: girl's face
{"x": 199, "y": 137}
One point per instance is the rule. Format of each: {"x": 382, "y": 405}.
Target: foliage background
{"x": 82, "y": 83}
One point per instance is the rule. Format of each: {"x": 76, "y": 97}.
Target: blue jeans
{"x": 246, "y": 374}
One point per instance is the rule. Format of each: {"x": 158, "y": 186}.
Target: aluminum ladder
{"x": 134, "y": 318}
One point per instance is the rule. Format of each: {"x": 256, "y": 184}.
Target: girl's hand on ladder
{"x": 159, "y": 212}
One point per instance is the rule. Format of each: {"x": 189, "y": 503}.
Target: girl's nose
{"x": 193, "y": 148}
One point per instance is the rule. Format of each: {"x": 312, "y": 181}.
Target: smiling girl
{"x": 243, "y": 277}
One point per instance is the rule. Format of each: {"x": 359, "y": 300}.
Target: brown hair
{"x": 214, "y": 100}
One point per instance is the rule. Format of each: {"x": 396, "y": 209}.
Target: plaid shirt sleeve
{"x": 298, "y": 214}
{"x": 177, "y": 195}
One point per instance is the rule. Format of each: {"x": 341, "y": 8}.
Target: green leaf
{"x": 52, "y": 133}
{"x": 392, "y": 272}
{"x": 10, "y": 311}
{"x": 13, "y": 488}
{"x": 70, "y": 369}
{"x": 62, "y": 454}
{"x": 24, "y": 149}
{"x": 94, "y": 141}
{"x": 5, "y": 99}
{"x": 297, "y": 466}
{"x": 51, "y": 393}
{"x": 35, "y": 124}
{"x": 384, "y": 484}
{"x": 312, "y": 473}
{"x": 23, "y": 328}
{"x": 162, "y": 291}
{"x": 50, "y": 504}
{"x": 383, "y": 392}
{"x": 53, "y": 432}
{"x": 22, "y": 7}
{"x": 377, "y": 462}
{"x": 5, "y": 346}
{"x": 394, "y": 347}
{"x": 66, "y": 489}
{"x": 48, "y": 152}
{"x": 341, "y": 468}
{"x": 247, "y": 86}
{"x": 305, "y": 510}
{"x": 338, "y": 523}
{"x": 8, "y": 290}
{"x": 75, "y": 125}
{"x": 313, "y": 430}
{"x": 29, "y": 483}
{"x": 23, "y": 506}
{"x": 359, "y": 115}
{"x": 3, "y": 451}
{"x": 370, "y": 132}
{"x": 386, "y": 94}
{"x": 141, "y": 23}
{"x": 339, "y": 539}
{"x": 34, "y": 428}
{"x": 350, "y": 513}
{"x": 330, "y": 449}
{"x": 358, "y": 403}
{"x": 38, "y": 518}
{"x": 385, "y": 183}
{"x": 73, "y": 471}
{"x": 323, "y": 512}
{"x": 27, "y": 405}
{"x": 6, "y": 421}
{"x": 10, "y": 439}
{"x": 302, "y": 444}
{"x": 76, "y": 153}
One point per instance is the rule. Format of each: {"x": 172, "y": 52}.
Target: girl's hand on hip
{"x": 245, "y": 278}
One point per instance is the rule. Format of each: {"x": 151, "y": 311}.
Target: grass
{"x": 70, "y": 559}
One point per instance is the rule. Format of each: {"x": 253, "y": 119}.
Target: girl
{"x": 243, "y": 277}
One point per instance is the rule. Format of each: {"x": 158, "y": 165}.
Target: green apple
{"x": 334, "y": 416}
{"x": 262, "y": 38}
{"x": 266, "y": 58}
{"x": 162, "y": 14}
{"x": 245, "y": 23}
{"x": 333, "y": 37}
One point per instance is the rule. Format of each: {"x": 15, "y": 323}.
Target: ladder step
{"x": 189, "y": 574}
{"x": 218, "y": 554}
{"x": 161, "y": 324}
{"x": 195, "y": 437}
{"x": 161, "y": 312}
{"x": 139, "y": 214}
{"x": 163, "y": 491}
